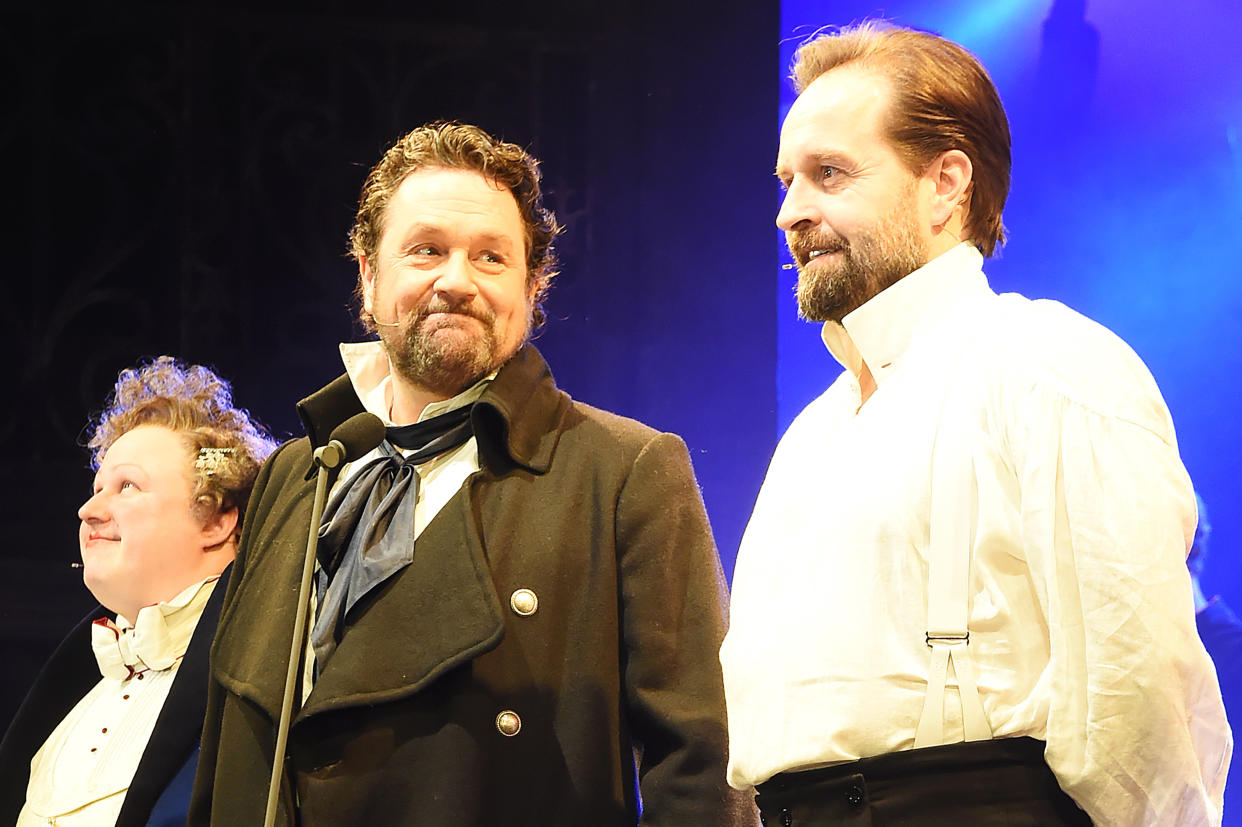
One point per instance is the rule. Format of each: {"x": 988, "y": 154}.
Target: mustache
{"x": 483, "y": 314}
{"x": 802, "y": 242}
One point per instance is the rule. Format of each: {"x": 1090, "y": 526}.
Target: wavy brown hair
{"x": 451, "y": 145}
{"x": 226, "y": 445}
{"x": 943, "y": 99}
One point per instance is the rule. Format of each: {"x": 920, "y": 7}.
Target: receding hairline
{"x": 886, "y": 100}
{"x": 870, "y": 51}
{"x": 869, "y": 42}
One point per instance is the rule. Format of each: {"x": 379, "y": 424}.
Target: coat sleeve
{"x": 673, "y": 616}
{"x": 209, "y": 751}
{"x": 1136, "y": 729}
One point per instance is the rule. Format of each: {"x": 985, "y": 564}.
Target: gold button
{"x": 524, "y": 602}
{"x": 508, "y": 723}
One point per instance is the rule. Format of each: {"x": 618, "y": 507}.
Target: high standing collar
{"x": 520, "y": 416}
{"x": 881, "y": 330}
{"x": 517, "y": 420}
{"x": 328, "y": 407}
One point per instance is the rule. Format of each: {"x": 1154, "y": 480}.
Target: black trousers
{"x": 1000, "y": 782}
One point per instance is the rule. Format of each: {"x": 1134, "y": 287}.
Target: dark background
{"x": 181, "y": 178}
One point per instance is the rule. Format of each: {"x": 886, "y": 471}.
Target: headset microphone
{"x": 378, "y": 323}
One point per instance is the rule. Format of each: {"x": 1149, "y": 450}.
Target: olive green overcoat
{"x": 613, "y": 679}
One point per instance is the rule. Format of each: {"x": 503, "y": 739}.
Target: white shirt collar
{"x": 156, "y": 639}
{"x": 880, "y": 331}
{"x": 371, "y": 375}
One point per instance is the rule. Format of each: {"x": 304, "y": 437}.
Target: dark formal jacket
{"x": 447, "y": 701}
{"x": 160, "y": 791}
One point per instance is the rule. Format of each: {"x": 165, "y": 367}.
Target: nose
{"x": 798, "y": 211}
{"x": 94, "y": 510}
{"x": 456, "y": 277}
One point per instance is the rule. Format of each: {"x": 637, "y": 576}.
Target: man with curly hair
{"x": 113, "y": 739}
{"x": 518, "y": 601}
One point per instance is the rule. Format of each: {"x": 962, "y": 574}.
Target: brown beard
{"x": 444, "y": 363}
{"x": 874, "y": 260}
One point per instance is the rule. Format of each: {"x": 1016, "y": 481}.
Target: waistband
{"x": 960, "y": 757}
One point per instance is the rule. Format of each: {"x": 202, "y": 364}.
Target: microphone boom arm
{"x": 349, "y": 440}
{"x": 299, "y": 640}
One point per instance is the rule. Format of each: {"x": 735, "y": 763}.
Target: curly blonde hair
{"x": 226, "y": 444}
{"x": 452, "y": 145}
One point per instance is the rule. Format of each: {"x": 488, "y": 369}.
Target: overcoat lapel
{"x": 436, "y": 613}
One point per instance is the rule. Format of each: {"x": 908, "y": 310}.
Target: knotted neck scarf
{"x": 367, "y": 534}
{"x": 157, "y": 639}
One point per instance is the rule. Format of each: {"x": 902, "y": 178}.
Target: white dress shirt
{"x": 81, "y": 773}
{"x": 1080, "y": 609}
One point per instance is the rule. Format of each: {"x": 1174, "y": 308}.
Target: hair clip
{"x": 211, "y": 460}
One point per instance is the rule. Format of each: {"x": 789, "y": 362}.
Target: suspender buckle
{"x": 946, "y": 638}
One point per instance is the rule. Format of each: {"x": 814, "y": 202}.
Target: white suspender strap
{"x": 948, "y": 583}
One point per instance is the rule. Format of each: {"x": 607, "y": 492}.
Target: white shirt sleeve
{"x": 1136, "y": 727}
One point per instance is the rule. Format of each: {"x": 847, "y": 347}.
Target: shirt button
{"x": 855, "y": 796}
{"x": 508, "y": 723}
{"x": 524, "y": 602}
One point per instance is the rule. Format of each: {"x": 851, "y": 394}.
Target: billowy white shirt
{"x": 1081, "y": 616}
{"x": 439, "y": 478}
{"x": 81, "y": 773}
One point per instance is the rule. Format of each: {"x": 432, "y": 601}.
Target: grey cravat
{"x": 368, "y": 526}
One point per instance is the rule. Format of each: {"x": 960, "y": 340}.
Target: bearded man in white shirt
{"x": 962, "y": 595}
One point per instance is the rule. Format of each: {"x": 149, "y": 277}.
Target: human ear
{"x": 952, "y": 174}
{"x": 367, "y": 277}
{"x": 219, "y": 528}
